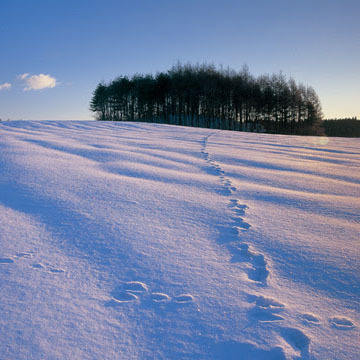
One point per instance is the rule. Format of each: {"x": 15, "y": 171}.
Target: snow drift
{"x": 148, "y": 241}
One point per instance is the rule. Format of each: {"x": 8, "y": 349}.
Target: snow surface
{"x": 148, "y": 241}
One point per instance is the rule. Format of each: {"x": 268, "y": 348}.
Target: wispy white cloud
{"x": 23, "y": 76}
{"x": 5, "y": 86}
{"x": 37, "y": 82}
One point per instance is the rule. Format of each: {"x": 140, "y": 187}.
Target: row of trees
{"x": 347, "y": 127}
{"x": 206, "y": 96}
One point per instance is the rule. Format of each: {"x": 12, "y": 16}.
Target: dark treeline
{"x": 205, "y": 96}
{"x": 349, "y": 127}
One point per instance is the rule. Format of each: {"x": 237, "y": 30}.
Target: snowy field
{"x": 148, "y": 241}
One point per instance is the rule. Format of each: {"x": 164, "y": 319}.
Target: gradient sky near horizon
{"x": 76, "y": 44}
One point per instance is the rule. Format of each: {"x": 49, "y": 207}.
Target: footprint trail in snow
{"x": 28, "y": 255}
{"x": 137, "y": 291}
{"x": 254, "y": 263}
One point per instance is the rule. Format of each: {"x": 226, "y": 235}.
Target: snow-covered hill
{"x": 148, "y": 241}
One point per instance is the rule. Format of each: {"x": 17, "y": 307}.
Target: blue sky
{"x": 79, "y": 43}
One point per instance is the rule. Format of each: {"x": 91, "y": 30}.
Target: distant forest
{"x": 348, "y": 127}
{"x": 210, "y": 97}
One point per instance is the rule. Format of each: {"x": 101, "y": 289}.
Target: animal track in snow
{"x": 236, "y": 203}
{"x": 184, "y": 298}
{"x": 298, "y": 340}
{"x": 130, "y": 202}
{"x": 266, "y": 309}
{"x": 55, "y": 271}
{"x": 160, "y": 297}
{"x": 49, "y": 269}
{"x": 24, "y": 255}
{"x": 258, "y": 272}
{"x": 203, "y": 148}
{"x": 239, "y": 212}
{"x": 341, "y": 323}
{"x": 237, "y": 208}
{"x": 135, "y": 291}
{"x": 215, "y": 169}
{"x": 6, "y": 260}
{"x": 38, "y": 266}
{"x": 128, "y": 292}
{"x": 310, "y": 318}
{"x": 10, "y": 260}
{"x": 227, "y": 184}
{"x": 136, "y": 286}
{"x": 264, "y": 315}
{"x": 229, "y": 235}
{"x": 241, "y": 223}
{"x": 125, "y": 297}
{"x": 269, "y": 303}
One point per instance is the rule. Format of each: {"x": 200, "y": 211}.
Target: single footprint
{"x": 259, "y": 275}
{"x": 160, "y": 297}
{"x": 55, "y": 271}
{"x": 269, "y": 303}
{"x": 183, "y": 298}
{"x": 266, "y": 308}
{"x": 136, "y": 287}
{"x": 264, "y": 315}
{"x": 235, "y": 203}
{"x": 241, "y": 223}
{"x": 130, "y": 202}
{"x": 124, "y": 297}
{"x": 259, "y": 271}
{"x": 239, "y": 212}
{"x": 310, "y": 318}
{"x": 6, "y": 261}
{"x": 24, "y": 255}
{"x": 341, "y": 323}
{"x": 38, "y": 266}
{"x": 128, "y": 292}
{"x": 298, "y": 340}
{"x": 228, "y": 189}
{"x": 241, "y": 252}
{"x": 235, "y": 230}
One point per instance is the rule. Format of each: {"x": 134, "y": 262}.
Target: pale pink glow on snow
{"x": 125, "y": 240}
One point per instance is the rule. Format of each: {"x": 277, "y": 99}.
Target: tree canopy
{"x": 206, "y": 96}
{"x": 347, "y": 127}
